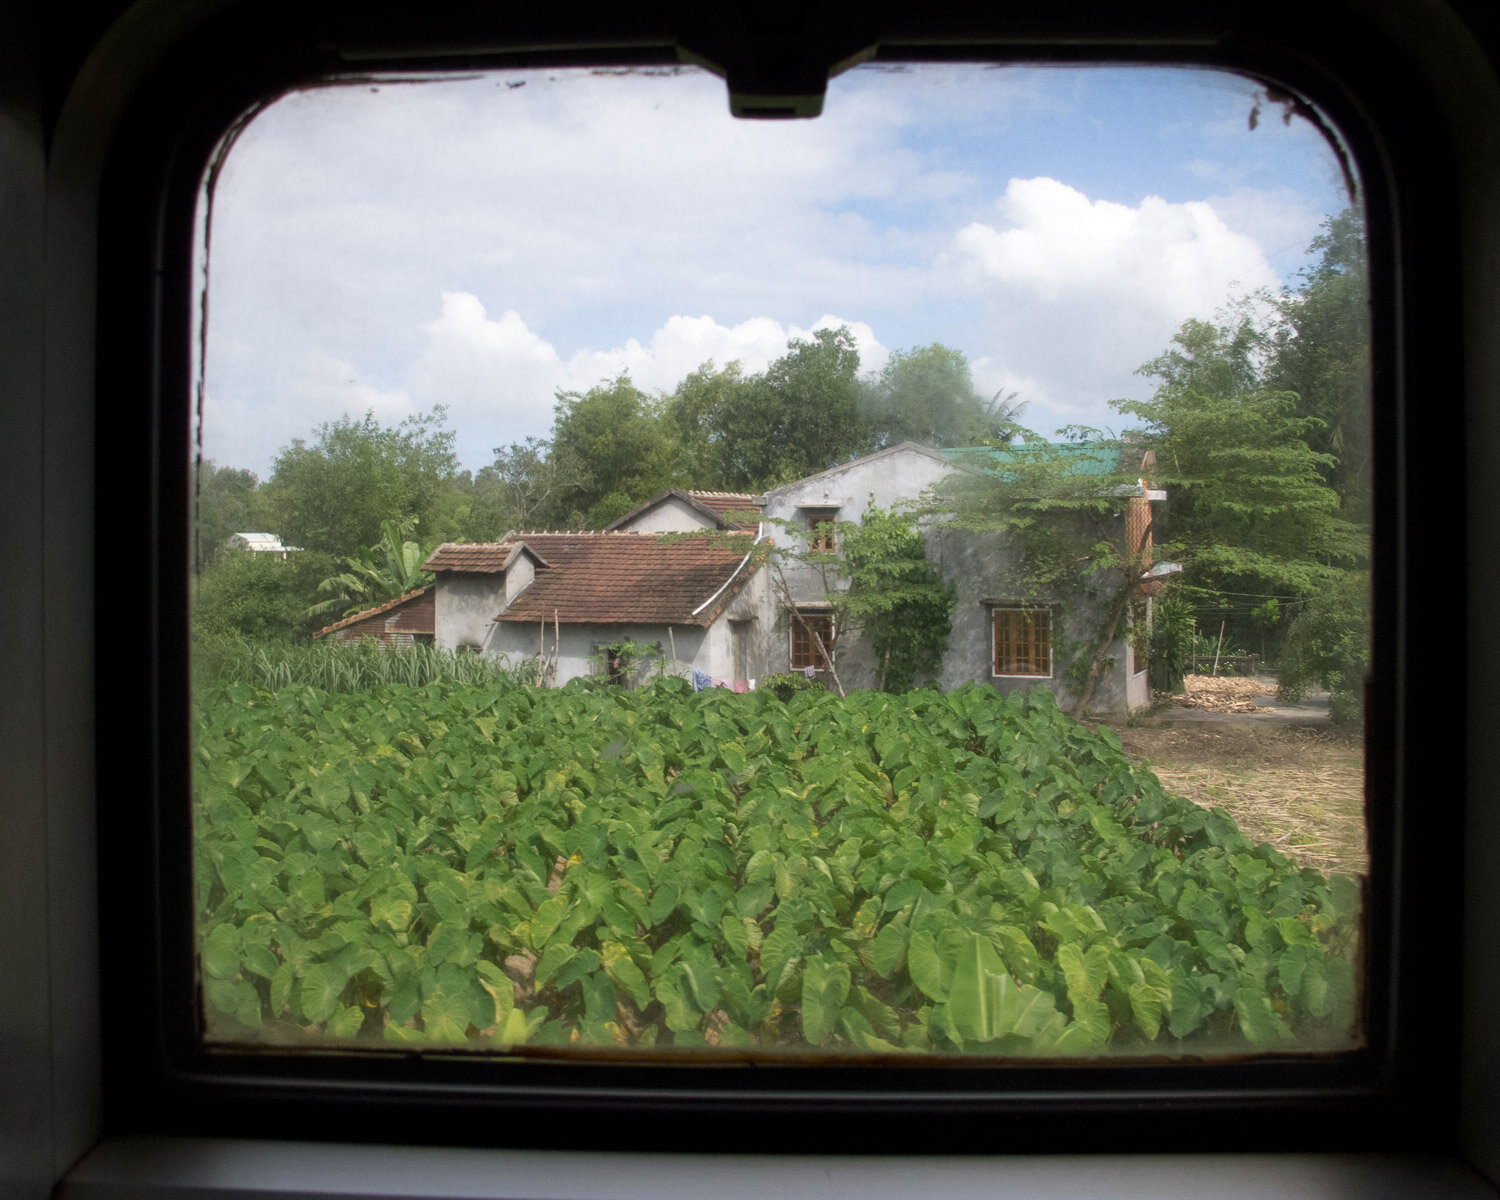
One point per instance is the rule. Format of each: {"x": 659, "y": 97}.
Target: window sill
{"x": 208, "y": 1168}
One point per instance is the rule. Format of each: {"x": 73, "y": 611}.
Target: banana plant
{"x": 391, "y": 568}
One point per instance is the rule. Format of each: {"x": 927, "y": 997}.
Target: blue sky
{"x": 484, "y": 243}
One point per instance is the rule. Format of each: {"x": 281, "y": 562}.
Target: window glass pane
{"x": 554, "y": 425}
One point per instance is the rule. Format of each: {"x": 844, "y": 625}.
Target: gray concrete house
{"x": 998, "y": 637}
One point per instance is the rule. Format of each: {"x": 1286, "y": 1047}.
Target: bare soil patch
{"x": 1298, "y": 786}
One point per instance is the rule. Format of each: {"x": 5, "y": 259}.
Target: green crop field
{"x": 495, "y": 867}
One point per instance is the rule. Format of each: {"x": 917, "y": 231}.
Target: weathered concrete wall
{"x": 979, "y": 565}
{"x": 518, "y": 576}
{"x": 672, "y": 515}
{"x": 884, "y": 479}
{"x": 578, "y": 647}
{"x": 465, "y": 610}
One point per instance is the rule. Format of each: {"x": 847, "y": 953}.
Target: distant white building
{"x": 259, "y": 543}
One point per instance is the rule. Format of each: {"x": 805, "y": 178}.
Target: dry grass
{"x": 1299, "y": 788}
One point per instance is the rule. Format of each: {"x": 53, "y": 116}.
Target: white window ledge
{"x": 210, "y": 1169}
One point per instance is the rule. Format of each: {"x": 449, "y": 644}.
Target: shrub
{"x": 1171, "y": 642}
{"x": 1328, "y": 644}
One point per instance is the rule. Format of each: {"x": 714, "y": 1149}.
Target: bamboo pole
{"x": 1219, "y": 649}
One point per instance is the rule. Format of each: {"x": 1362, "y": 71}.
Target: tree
{"x": 618, "y": 448}
{"x": 699, "y": 410}
{"x": 522, "y": 489}
{"x": 227, "y": 503}
{"x": 1321, "y": 351}
{"x": 391, "y": 568}
{"x": 333, "y": 495}
{"x": 260, "y": 596}
{"x": 927, "y": 395}
{"x": 897, "y": 598}
{"x": 796, "y": 418}
{"x": 1251, "y": 507}
{"x": 1328, "y": 644}
{"x": 874, "y": 579}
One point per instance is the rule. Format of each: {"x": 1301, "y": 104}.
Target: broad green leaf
{"x": 513, "y": 1031}
{"x": 825, "y": 985}
{"x": 221, "y": 952}
{"x": 736, "y": 936}
{"x": 1089, "y": 1030}
{"x": 927, "y": 969}
{"x": 1294, "y": 932}
{"x": 319, "y": 990}
{"x": 281, "y": 988}
{"x": 1258, "y": 1021}
{"x": 346, "y": 1022}
{"x": 552, "y": 961}
{"x": 497, "y": 984}
{"x": 1084, "y": 972}
{"x": 445, "y": 1017}
{"x": 623, "y": 970}
{"x": 889, "y": 949}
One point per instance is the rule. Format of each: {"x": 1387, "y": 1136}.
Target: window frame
{"x": 1400, "y": 1093}
{"x": 1027, "y": 613}
{"x": 822, "y": 530}
{"x": 796, "y": 632}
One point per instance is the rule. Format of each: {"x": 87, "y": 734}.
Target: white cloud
{"x": 1080, "y": 292}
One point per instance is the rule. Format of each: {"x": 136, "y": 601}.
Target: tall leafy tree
{"x": 896, "y": 597}
{"x": 259, "y": 596}
{"x": 333, "y": 493}
{"x": 525, "y": 487}
{"x": 228, "y": 503}
{"x": 1320, "y": 350}
{"x": 796, "y": 418}
{"x": 1251, "y": 506}
{"x": 614, "y": 438}
{"x": 699, "y": 410}
{"x": 927, "y": 395}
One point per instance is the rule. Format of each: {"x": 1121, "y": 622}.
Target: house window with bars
{"x": 806, "y": 628}
{"x": 1023, "y": 641}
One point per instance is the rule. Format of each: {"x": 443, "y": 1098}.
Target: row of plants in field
{"x": 334, "y": 666}
{"x": 495, "y": 866}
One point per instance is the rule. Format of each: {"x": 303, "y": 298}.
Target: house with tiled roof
{"x": 405, "y": 621}
{"x": 571, "y": 597}
{"x": 678, "y": 510}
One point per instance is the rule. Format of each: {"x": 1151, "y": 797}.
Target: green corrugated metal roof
{"x": 1090, "y": 457}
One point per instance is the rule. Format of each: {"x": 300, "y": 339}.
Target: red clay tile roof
{"x": 728, "y": 502}
{"x": 379, "y": 609}
{"x": 475, "y": 558}
{"x": 630, "y": 578}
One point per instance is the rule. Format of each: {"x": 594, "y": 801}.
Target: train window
{"x": 501, "y": 369}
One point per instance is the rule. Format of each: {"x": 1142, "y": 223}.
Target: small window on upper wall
{"x": 1023, "y": 642}
{"x": 821, "y": 535}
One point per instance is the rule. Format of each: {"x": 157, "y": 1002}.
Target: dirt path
{"x": 1284, "y": 774}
